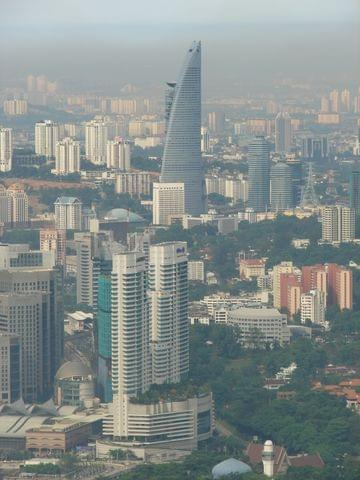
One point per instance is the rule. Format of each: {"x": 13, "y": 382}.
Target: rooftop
{"x": 255, "y": 313}
{"x": 73, "y": 369}
{"x": 231, "y": 466}
{"x": 67, "y": 200}
{"x": 122, "y": 215}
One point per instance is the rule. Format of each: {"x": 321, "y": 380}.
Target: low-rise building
{"x": 300, "y": 243}
{"x": 57, "y": 438}
{"x": 251, "y": 268}
{"x": 260, "y": 326}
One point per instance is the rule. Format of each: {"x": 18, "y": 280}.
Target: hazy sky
{"x": 102, "y": 44}
{"x": 38, "y": 12}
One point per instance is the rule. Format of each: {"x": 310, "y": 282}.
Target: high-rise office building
{"x": 6, "y": 149}
{"x": 31, "y": 308}
{"x": 10, "y": 368}
{"x": 281, "y": 187}
{"x": 103, "y": 322}
{"x": 67, "y": 157}
{"x": 296, "y": 167}
{"x": 168, "y": 286}
{"x": 96, "y": 137}
{"x": 354, "y": 191}
{"x": 19, "y": 204}
{"x": 68, "y": 213}
{"x": 259, "y": 175}
{"x": 46, "y": 136}
{"x": 182, "y": 154}
{"x": 168, "y": 201}
{"x": 19, "y": 255}
{"x": 53, "y": 240}
{"x": 118, "y": 154}
{"x": 338, "y": 224}
{"x": 283, "y": 135}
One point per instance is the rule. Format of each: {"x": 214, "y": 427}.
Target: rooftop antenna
{"x": 309, "y": 197}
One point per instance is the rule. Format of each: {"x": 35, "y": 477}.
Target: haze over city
{"x": 246, "y": 44}
{"x": 180, "y": 239}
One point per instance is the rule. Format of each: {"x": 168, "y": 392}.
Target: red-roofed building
{"x": 281, "y": 462}
{"x": 307, "y": 460}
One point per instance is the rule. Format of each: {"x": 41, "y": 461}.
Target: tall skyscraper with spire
{"x": 182, "y": 153}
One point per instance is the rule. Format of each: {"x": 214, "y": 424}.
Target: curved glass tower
{"x": 182, "y": 153}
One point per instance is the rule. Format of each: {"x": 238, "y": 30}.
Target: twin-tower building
{"x": 150, "y": 346}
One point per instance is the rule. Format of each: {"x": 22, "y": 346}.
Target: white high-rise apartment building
{"x": 67, "y": 157}
{"x": 338, "y": 224}
{"x": 118, "y": 154}
{"x": 15, "y": 107}
{"x": 96, "y": 137}
{"x": 46, "y": 137}
{"x": 168, "y": 200}
{"x": 68, "y": 213}
{"x": 134, "y": 184}
{"x": 313, "y": 306}
{"x": 5, "y": 149}
{"x": 19, "y": 203}
{"x": 168, "y": 285}
{"x": 131, "y": 361}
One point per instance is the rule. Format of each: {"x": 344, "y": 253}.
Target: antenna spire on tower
{"x": 309, "y": 197}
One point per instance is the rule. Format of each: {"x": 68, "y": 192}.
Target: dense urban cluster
{"x": 180, "y": 282}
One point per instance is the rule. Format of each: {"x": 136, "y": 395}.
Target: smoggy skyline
{"x": 253, "y": 43}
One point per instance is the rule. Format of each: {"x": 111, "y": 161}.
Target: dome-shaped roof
{"x": 73, "y": 369}
{"x": 268, "y": 443}
{"x": 122, "y": 215}
{"x": 230, "y": 466}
